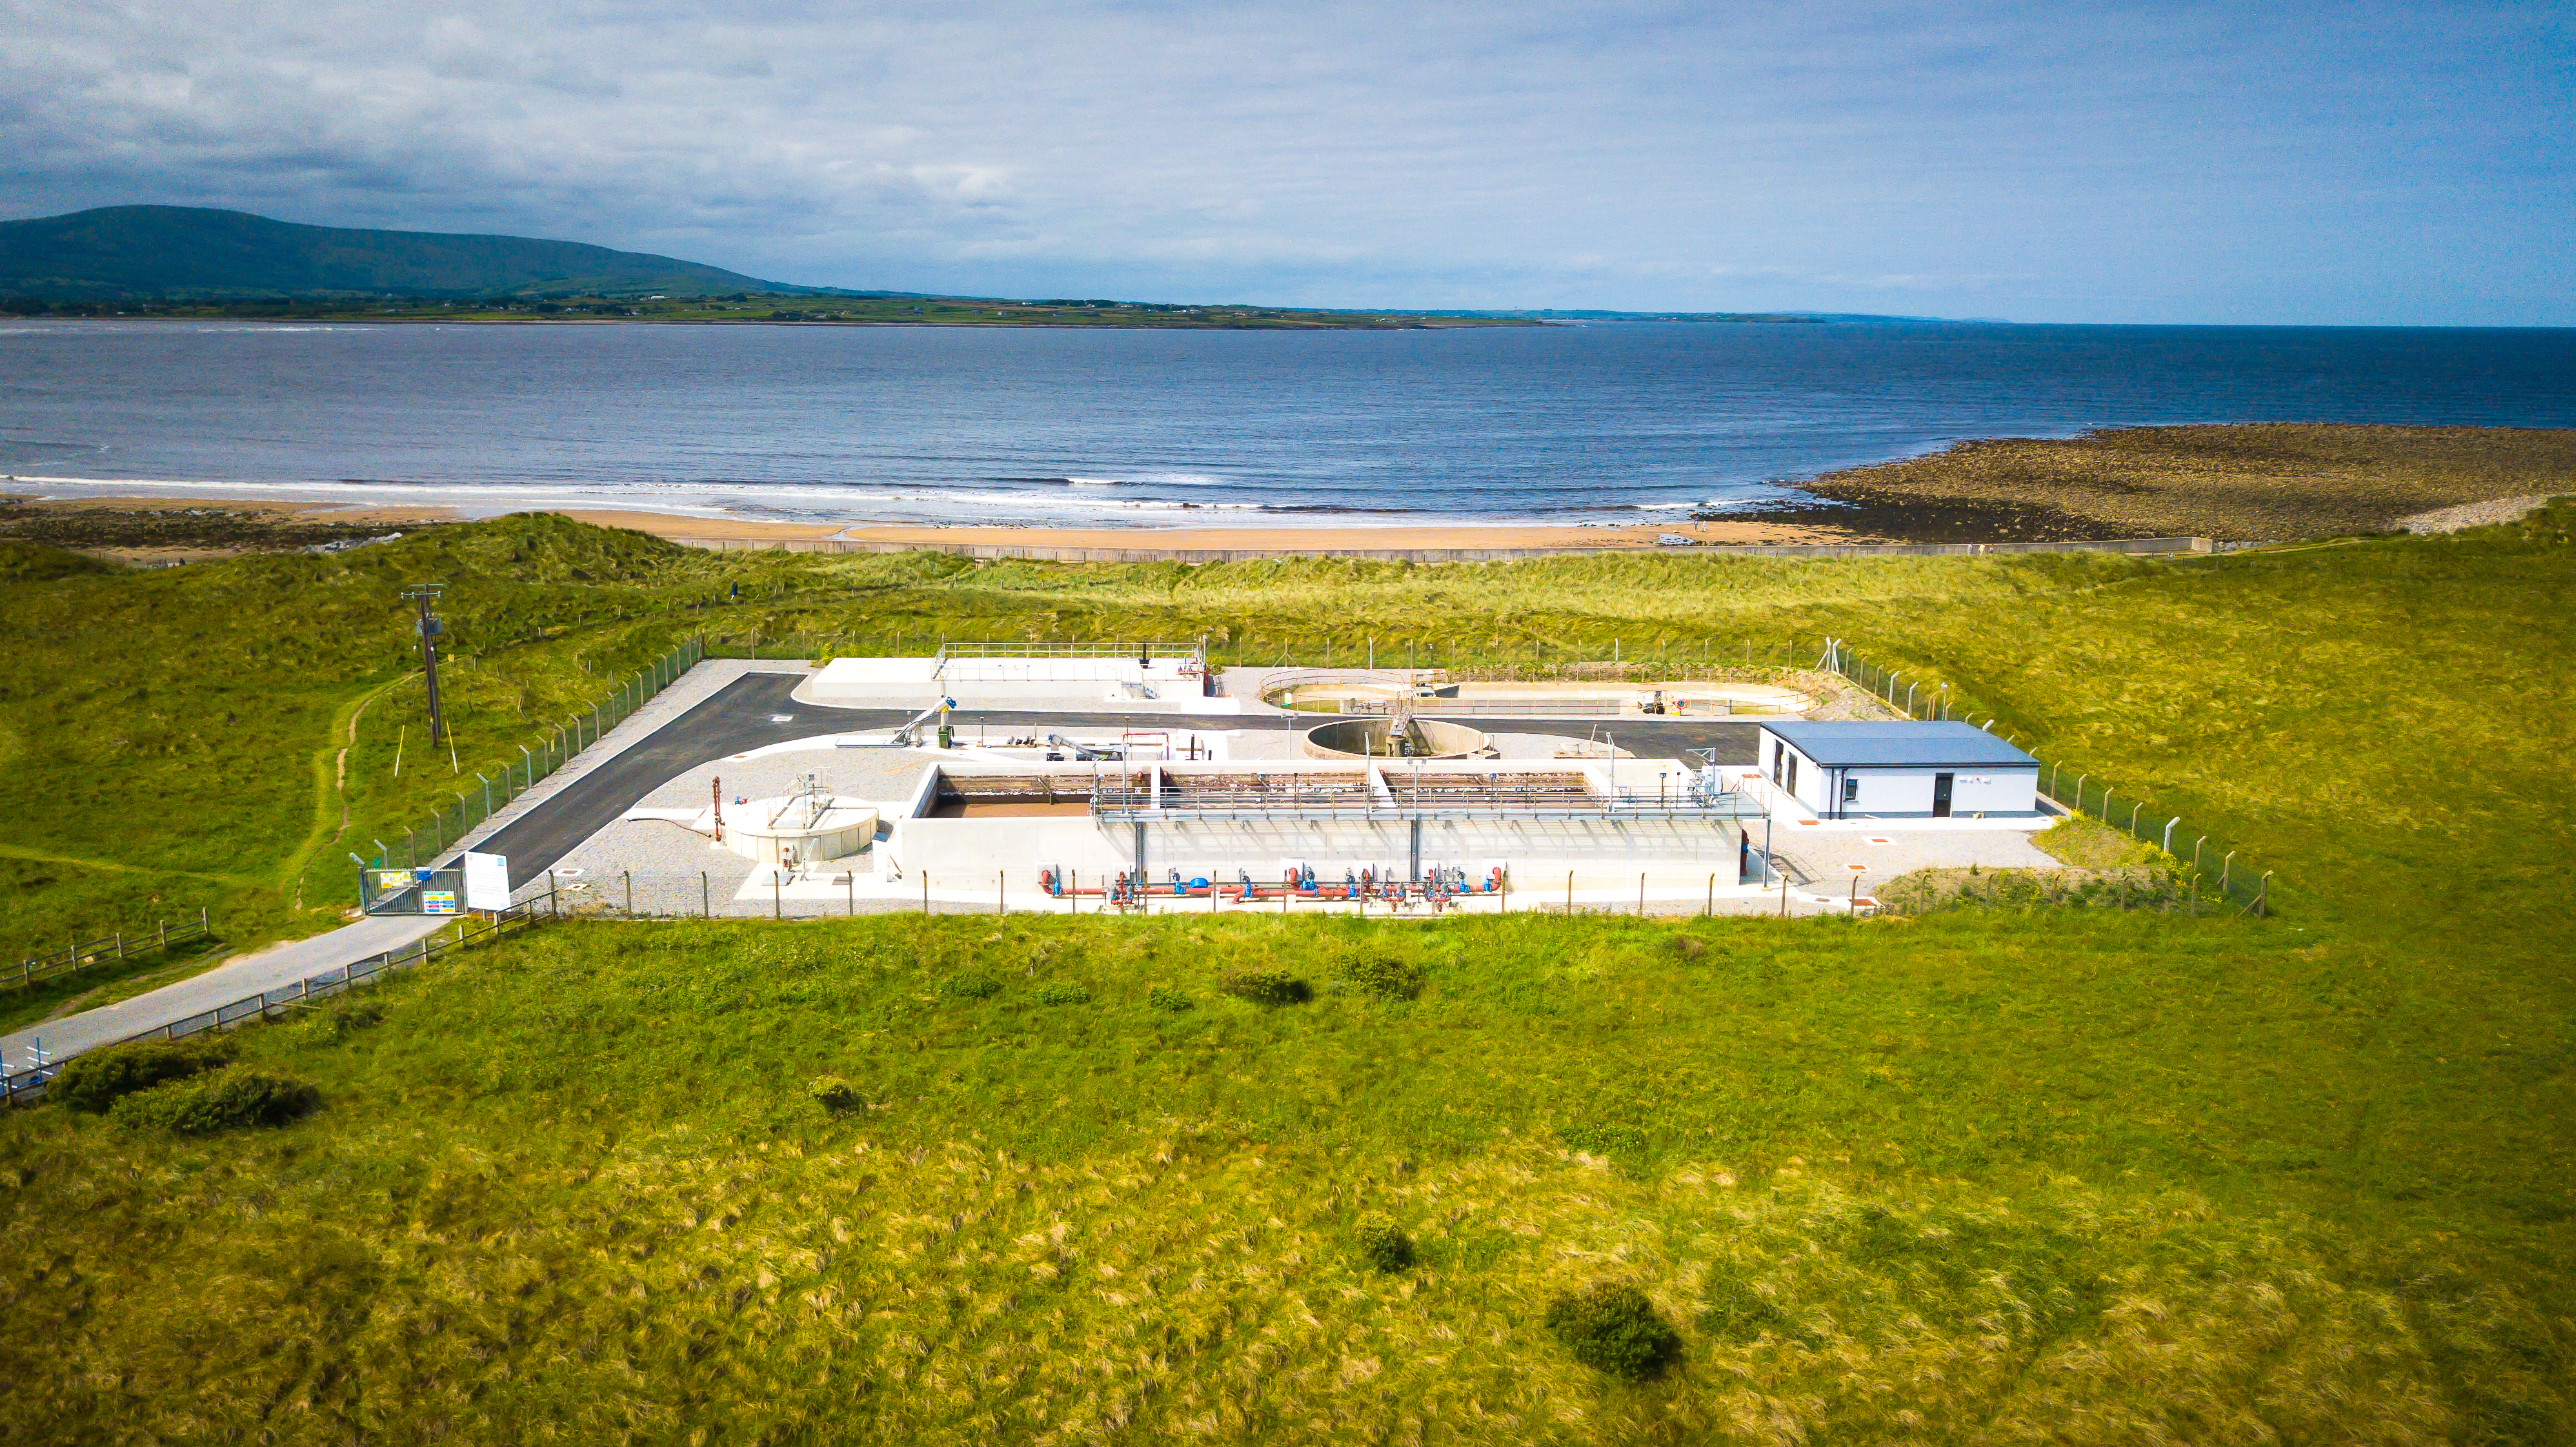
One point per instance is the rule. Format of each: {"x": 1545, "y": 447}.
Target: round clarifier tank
{"x": 1378, "y": 738}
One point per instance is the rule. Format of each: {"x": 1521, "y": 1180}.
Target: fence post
{"x": 2263, "y": 895}
{"x": 630, "y": 892}
{"x": 1002, "y": 892}
{"x": 706, "y": 900}
{"x": 1569, "y": 893}
{"x": 2167, "y": 846}
{"x": 925, "y": 891}
{"x": 2224, "y": 866}
{"x": 777, "y": 896}
{"x": 201, "y": 919}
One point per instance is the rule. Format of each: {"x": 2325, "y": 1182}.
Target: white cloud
{"x": 2181, "y": 161}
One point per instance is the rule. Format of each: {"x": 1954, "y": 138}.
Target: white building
{"x": 1899, "y": 770}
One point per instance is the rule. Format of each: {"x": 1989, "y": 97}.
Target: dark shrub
{"x": 205, "y": 1104}
{"x": 1063, "y": 992}
{"x": 342, "y": 1019}
{"x": 1266, "y": 987}
{"x": 1390, "y": 979}
{"x": 1613, "y": 1328}
{"x": 1383, "y": 1245}
{"x": 1164, "y": 997}
{"x": 96, "y": 1081}
{"x": 970, "y": 985}
{"x": 1691, "y": 946}
{"x": 832, "y": 1093}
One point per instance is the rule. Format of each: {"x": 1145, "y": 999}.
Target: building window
{"x": 1851, "y": 789}
{"x": 1793, "y": 772}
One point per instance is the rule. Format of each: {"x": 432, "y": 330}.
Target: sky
{"x": 2220, "y": 163}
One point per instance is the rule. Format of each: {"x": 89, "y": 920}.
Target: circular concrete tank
{"x": 1373, "y": 738}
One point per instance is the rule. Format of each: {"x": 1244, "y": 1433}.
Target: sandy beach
{"x": 1285, "y": 540}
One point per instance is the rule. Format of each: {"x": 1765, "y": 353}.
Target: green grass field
{"x": 2058, "y": 1174}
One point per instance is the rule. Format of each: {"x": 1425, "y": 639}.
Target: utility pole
{"x": 427, "y": 597}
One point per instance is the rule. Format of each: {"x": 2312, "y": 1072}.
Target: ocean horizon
{"x": 1570, "y": 423}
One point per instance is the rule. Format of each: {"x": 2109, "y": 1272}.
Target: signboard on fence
{"x": 393, "y": 879}
{"x": 438, "y": 901}
{"x": 487, "y": 881}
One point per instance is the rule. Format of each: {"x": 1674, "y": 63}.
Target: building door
{"x": 1941, "y": 795}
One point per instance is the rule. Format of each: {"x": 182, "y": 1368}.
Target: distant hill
{"x": 146, "y": 252}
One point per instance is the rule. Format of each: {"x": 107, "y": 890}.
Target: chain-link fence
{"x": 2213, "y": 868}
{"x": 561, "y": 743}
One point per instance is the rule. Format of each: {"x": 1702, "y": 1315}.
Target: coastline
{"x": 2236, "y": 482}
{"x": 1286, "y": 540}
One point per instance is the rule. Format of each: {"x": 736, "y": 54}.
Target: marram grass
{"x": 579, "y": 1188}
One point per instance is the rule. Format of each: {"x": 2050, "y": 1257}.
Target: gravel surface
{"x": 2474, "y": 515}
{"x": 666, "y": 860}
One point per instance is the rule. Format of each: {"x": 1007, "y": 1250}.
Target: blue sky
{"x": 2151, "y": 163}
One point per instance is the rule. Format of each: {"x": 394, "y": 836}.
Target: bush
{"x": 97, "y": 1080}
{"x": 1266, "y": 987}
{"x": 339, "y": 1021}
{"x": 970, "y": 985}
{"x": 223, "y": 1100}
{"x": 1384, "y": 977}
{"x": 833, "y": 1093}
{"x": 1613, "y": 1328}
{"x": 1383, "y": 1245}
{"x": 1691, "y": 946}
{"x": 1063, "y": 992}
{"x": 1164, "y": 997}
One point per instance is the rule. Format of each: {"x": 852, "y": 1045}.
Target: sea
{"x": 1612, "y": 421}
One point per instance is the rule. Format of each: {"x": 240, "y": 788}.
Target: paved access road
{"x": 235, "y": 979}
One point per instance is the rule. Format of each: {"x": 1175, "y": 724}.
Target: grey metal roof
{"x": 1901, "y": 745}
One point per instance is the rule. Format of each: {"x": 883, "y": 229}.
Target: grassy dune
{"x": 1941, "y": 1181}
{"x": 2067, "y": 1174}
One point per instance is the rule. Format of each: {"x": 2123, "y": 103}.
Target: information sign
{"x": 487, "y": 881}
